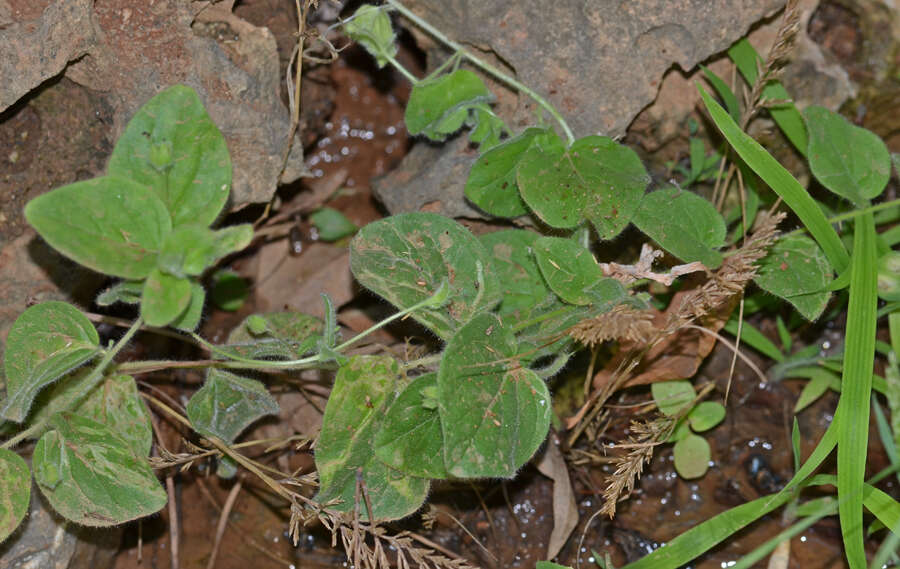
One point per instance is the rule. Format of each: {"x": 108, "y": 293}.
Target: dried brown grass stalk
{"x": 621, "y": 323}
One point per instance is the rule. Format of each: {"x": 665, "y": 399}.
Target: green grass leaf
{"x": 227, "y": 404}
{"x": 725, "y": 93}
{"x": 410, "y": 439}
{"x": 45, "y": 342}
{"x": 164, "y": 298}
{"x": 782, "y": 183}
{"x": 849, "y": 160}
{"x": 440, "y": 106}
{"x": 684, "y": 224}
{"x": 405, "y": 258}
{"x": 15, "y": 491}
{"x": 92, "y": 476}
{"x": 345, "y": 453}
{"x": 796, "y": 270}
{"x": 596, "y": 179}
{"x": 494, "y": 412}
{"x": 492, "y": 182}
{"x": 108, "y": 224}
{"x": 568, "y": 267}
{"x": 172, "y": 147}
{"x": 856, "y": 388}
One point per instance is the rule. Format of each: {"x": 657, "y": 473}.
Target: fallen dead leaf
{"x": 565, "y": 511}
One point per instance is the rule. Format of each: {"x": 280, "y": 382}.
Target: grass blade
{"x": 824, "y": 508}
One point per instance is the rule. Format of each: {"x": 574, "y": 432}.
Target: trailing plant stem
{"x": 484, "y": 66}
{"x": 83, "y": 388}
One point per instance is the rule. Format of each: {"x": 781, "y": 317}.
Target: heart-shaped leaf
{"x": 410, "y": 438}
{"x": 108, "y": 224}
{"x": 172, "y": 147}
{"x": 438, "y": 107}
{"x": 797, "y": 270}
{"x": 45, "y": 342}
{"x": 849, "y": 160}
{"x": 345, "y": 453}
{"x": 569, "y": 268}
{"x": 492, "y": 182}
{"x": 596, "y": 179}
{"x": 165, "y": 298}
{"x": 406, "y": 257}
{"x": 91, "y": 476}
{"x": 494, "y": 412}
{"x": 15, "y": 491}
{"x": 683, "y": 224}
{"x": 522, "y": 285}
{"x": 227, "y": 404}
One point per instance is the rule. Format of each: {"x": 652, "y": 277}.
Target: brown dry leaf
{"x": 677, "y": 356}
{"x": 565, "y": 511}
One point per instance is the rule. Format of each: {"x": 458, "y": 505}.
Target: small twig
{"x": 173, "y": 520}
{"x": 223, "y": 522}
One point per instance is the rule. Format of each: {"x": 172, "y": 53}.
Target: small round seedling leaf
{"x": 370, "y": 27}
{"x": 108, "y": 224}
{"x": 492, "y": 182}
{"x": 332, "y": 224}
{"x": 691, "y": 456}
{"x": 227, "y": 404}
{"x": 410, "y": 439}
{"x": 706, "y": 415}
{"x": 172, "y": 147}
{"x": 682, "y": 429}
{"x": 438, "y": 107}
{"x": 164, "y": 298}
{"x": 345, "y": 453}
{"x": 797, "y": 270}
{"x": 15, "y": 491}
{"x": 92, "y": 476}
{"x": 522, "y": 285}
{"x": 495, "y": 413}
{"x": 405, "y": 258}
{"x": 569, "y": 268}
{"x": 45, "y": 342}
{"x": 684, "y": 224}
{"x": 595, "y": 179}
{"x": 672, "y": 396}
{"x": 229, "y": 290}
{"x": 849, "y": 160}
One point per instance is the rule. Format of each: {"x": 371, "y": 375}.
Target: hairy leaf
{"x": 108, "y": 224}
{"x": 595, "y": 179}
{"x": 227, "y": 404}
{"x": 370, "y": 27}
{"x": 288, "y": 335}
{"x": 191, "y": 249}
{"x": 173, "y": 148}
{"x": 406, "y": 257}
{"x": 15, "y": 491}
{"x": 440, "y": 106}
{"x": 128, "y": 292}
{"x": 569, "y": 268}
{"x": 45, "y": 342}
{"x": 345, "y": 453}
{"x": 522, "y": 286}
{"x": 796, "y": 270}
{"x": 190, "y": 318}
{"x": 494, "y": 412}
{"x": 165, "y": 298}
{"x": 91, "y": 476}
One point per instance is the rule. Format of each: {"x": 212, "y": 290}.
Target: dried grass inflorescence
{"x": 621, "y": 323}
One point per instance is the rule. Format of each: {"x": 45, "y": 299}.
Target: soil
{"x": 353, "y": 127}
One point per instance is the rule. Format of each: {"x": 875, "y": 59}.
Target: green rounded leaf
{"x": 174, "y": 149}
{"x": 438, "y": 107}
{"x": 190, "y": 318}
{"x": 370, "y": 27}
{"x": 117, "y": 404}
{"x": 410, "y": 438}
{"x": 672, "y": 396}
{"x": 691, "y": 456}
{"x": 684, "y": 224}
{"x": 522, "y": 286}
{"x": 15, "y": 491}
{"x": 111, "y": 225}
{"x": 849, "y": 160}
{"x": 492, "y": 182}
{"x": 45, "y": 342}
{"x": 569, "y": 268}
{"x": 227, "y": 404}
{"x": 495, "y": 413}
{"x": 332, "y": 224}
{"x": 595, "y": 179}
{"x": 92, "y": 476}
{"x": 406, "y": 257}
{"x": 706, "y": 415}
{"x": 164, "y": 298}
{"x": 191, "y": 249}
{"x": 797, "y": 270}
{"x": 345, "y": 452}
{"x": 288, "y": 335}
